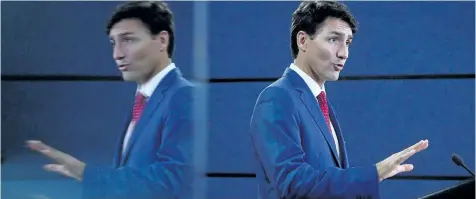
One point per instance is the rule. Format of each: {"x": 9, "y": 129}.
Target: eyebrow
{"x": 340, "y": 34}
{"x": 123, "y": 34}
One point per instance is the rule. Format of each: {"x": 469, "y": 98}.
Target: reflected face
{"x": 136, "y": 51}
{"x": 327, "y": 51}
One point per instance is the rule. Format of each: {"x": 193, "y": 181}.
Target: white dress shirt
{"x": 147, "y": 90}
{"x": 316, "y": 90}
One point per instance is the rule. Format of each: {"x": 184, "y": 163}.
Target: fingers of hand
{"x": 405, "y": 156}
{"x": 48, "y": 151}
{"x": 37, "y": 145}
{"x": 423, "y": 144}
{"x": 393, "y": 163}
{"x": 406, "y": 167}
{"x": 400, "y": 169}
{"x": 61, "y": 169}
{"x": 403, "y": 168}
{"x": 56, "y": 155}
{"x": 413, "y": 147}
{"x": 55, "y": 168}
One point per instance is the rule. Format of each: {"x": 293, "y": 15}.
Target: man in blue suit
{"x": 299, "y": 145}
{"x": 153, "y": 157}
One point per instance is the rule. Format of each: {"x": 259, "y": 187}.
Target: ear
{"x": 301, "y": 40}
{"x": 163, "y": 39}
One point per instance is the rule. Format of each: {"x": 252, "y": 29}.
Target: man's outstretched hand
{"x": 393, "y": 164}
{"x": 65, "y": 164}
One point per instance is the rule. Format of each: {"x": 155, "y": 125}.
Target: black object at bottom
{"x": 462, "y": 190}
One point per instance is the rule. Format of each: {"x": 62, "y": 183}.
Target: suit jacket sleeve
{"x": 275, "y": 135}
{"x": 167, "y": 177}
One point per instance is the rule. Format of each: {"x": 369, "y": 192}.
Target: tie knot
{"x": 139, "y": 98}
{"x": 322, "y": 96}
{"x": 138, "y": 106}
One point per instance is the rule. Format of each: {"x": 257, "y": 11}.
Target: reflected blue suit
{"x": 295, "y": 153}
{"x": 157, "y": 162}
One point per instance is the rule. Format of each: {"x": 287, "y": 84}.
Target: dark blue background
{"x": 246, "y": 40}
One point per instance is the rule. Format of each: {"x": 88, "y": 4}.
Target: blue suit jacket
{"x": 296, "y": 155}
{"x": 157, "y": 161}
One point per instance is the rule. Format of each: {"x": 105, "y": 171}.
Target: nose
{"x": 117, "y": 53}
{"x": 343, "y": 52}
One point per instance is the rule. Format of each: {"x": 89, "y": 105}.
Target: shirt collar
{"x": 313, "y": 85}
{"x": 148, "y": 88}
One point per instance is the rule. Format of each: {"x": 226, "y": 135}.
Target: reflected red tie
{"x": 321, "y": 98}
{"x": 139, "y": 104}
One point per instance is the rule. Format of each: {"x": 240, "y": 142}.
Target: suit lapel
{"x": 152, "y": 104}
{"x": 120, "y": 142}
{"x": 340, "y": 138}
{"x": 312, "y": 106}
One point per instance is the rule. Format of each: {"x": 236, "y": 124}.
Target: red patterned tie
{"x": 321, "y": 98}
{"x": 139, "y": 104}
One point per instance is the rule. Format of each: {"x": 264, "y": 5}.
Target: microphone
{"x": 459, "y": 161}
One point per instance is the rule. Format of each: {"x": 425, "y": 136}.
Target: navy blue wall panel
{"x": 224, "y": 188}
{"x": 231, "y": 106}
{"x": 232, "y": 188}
{"x": 66, "y": 42}
{"x": 411, "y": 189}
{"x": 378, "y": 118}
{"x": 229, "y": 188}
{"x": 390, "y": 189}
{"x": 80, "y": 118}
{"x": 394, "y": 38}
{"x": 41, "y": 189}
{"x": 57, "y": 38}
{"x": 249, "y": 39}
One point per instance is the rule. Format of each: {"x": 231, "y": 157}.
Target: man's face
{"x": 327, "y": 52}
{"x": 136, "y": 51}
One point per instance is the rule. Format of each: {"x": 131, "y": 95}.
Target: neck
{"x": 157, "y": 69}
{"x": 306, "y": 68}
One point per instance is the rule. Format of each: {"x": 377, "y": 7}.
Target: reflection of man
{"x": 153, "y": 154}
{"x": 296, "y": 136}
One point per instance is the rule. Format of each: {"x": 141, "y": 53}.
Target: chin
{"x": 129, "y": 77}
{"x": 126, "y": 79}
{"x": 333, "y": 77}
